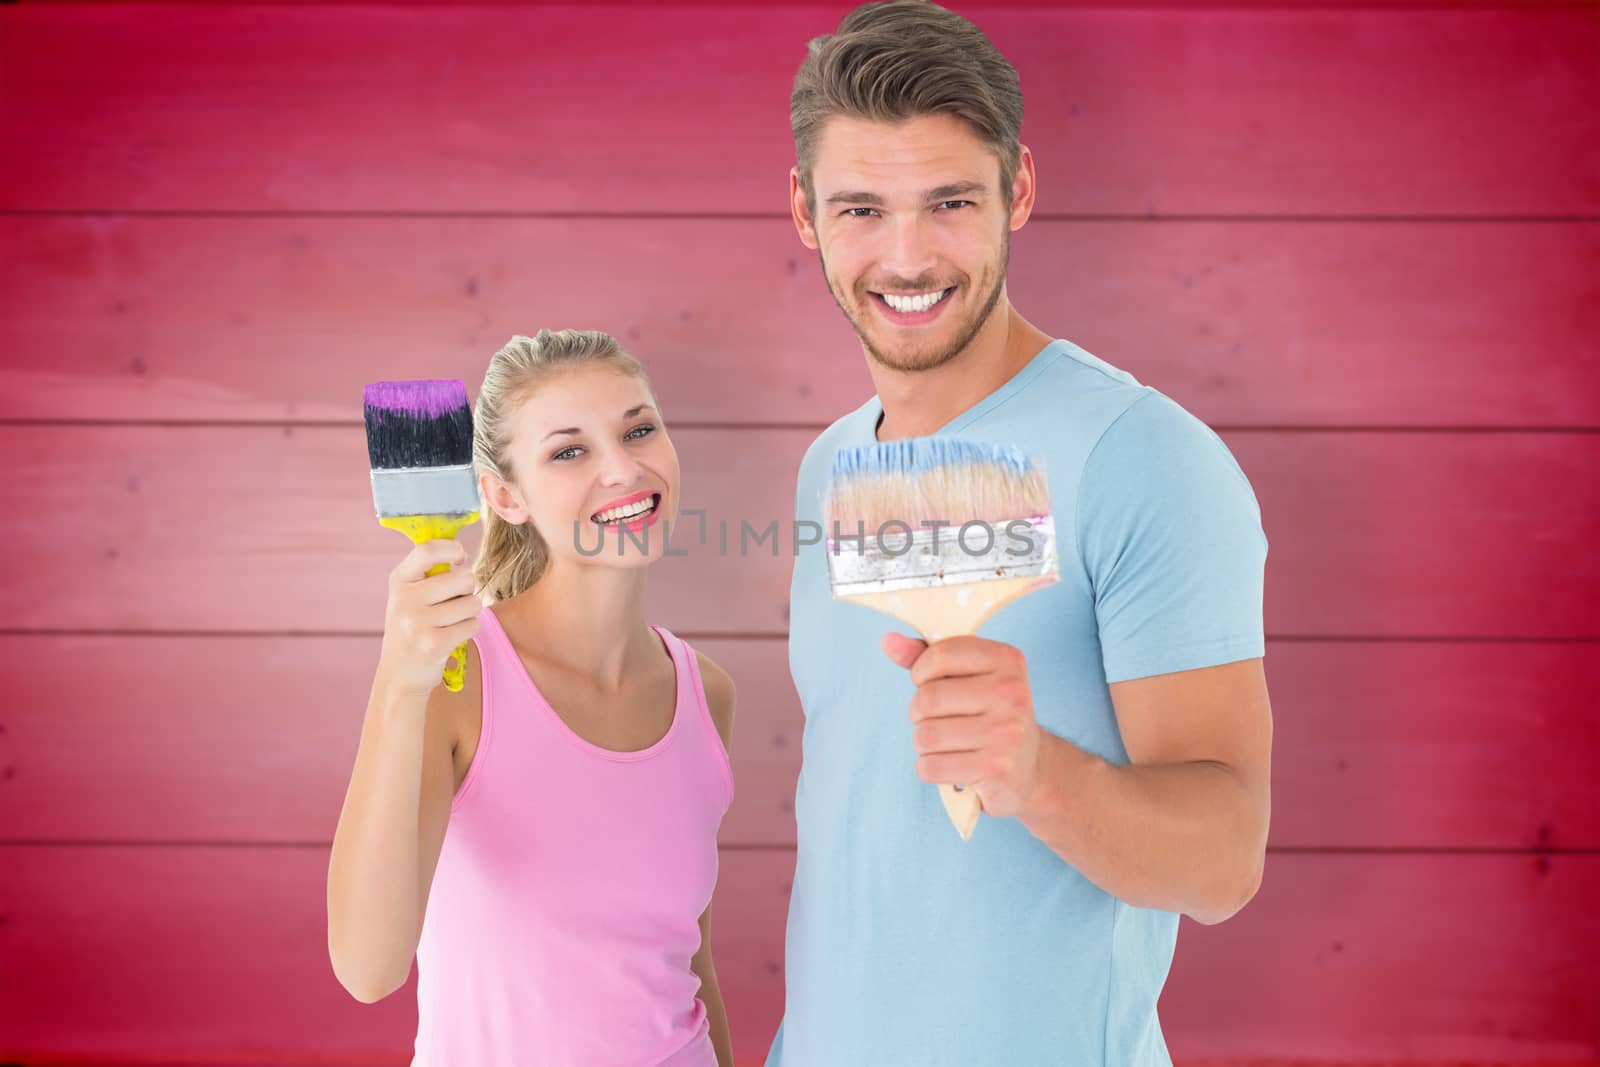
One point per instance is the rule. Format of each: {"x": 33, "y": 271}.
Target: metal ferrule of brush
{"x": 896, "y": 559}
{"x": 401, "y": 491}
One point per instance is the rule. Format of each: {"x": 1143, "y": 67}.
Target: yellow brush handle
{"x": 422, "y": 528}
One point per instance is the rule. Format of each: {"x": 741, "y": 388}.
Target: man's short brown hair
{"x": 888, "y": 62}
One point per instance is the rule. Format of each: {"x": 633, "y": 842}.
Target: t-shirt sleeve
{"x": 1170, "y": 536}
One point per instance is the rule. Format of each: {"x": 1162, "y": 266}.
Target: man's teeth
{"x": 920, "y": 302}
{"x": 642, "y": 507}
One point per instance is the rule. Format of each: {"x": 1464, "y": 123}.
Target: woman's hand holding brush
{"x": 427, "y": 617}
{"x": 972, "y": 716}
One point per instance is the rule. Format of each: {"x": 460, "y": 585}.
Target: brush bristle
{"x": 418, "y": 424}
{"x": 934, "y": 480}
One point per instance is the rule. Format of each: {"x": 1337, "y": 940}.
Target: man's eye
{"x": 860, "y": 212}
{"x": 955, "y": 203}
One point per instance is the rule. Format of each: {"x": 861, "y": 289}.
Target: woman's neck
{"x": 587, "y": 620}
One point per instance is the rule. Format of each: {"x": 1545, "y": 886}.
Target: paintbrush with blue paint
{"x": 951, "y": 530}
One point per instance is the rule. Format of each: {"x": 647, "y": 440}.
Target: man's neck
{"x": 917, "y": 403}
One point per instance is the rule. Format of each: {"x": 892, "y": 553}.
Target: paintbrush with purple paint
{"x": 419, "y": 441}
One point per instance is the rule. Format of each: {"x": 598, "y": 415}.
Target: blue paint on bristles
{"x": 921, "y": 480}
{"x": 920, "y": 455}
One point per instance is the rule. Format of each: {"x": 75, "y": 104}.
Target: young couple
{"x": 543, "y": 842}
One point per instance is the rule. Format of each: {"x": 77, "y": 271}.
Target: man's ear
{"x": 503, "y": 499}
{"x": 1023, "y": 188}
{"x": 804, "y": 224}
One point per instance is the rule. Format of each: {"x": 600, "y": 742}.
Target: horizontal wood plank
{"x": 1424, "y": 745}
{"x": 629, "y": 109}
{"x": 966, "y": 6}
{"x": 220, "y": 955}
{"x": 1349, "y": 957}
{"x": 1407, "y": 745}
{"x": 1257, "y": 323}
{"x": 270, "y": 529}
{"x": 265, "y": 729}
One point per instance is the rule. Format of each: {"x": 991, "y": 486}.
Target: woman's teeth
{"x": 631, "y": 511}
{"x": 920, "y": 302}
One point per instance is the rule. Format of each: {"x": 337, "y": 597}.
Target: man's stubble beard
{"x": 942, "y": 356}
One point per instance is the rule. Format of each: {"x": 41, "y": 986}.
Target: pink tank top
{"x": 565, "y": 907}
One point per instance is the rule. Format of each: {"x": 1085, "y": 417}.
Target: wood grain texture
{"x": 967, "y": 5}
{"x": 219, "y": 955}
{"x": 1322, "y": 227}
{"x": 1258, "y": 323}
{"x": 1461, "y": 957}
{"x": 270, "y": 529}
{"x": 251, "y": 739}
{"x": 1409, "y": 745}
{"x": 1137, "y": 112}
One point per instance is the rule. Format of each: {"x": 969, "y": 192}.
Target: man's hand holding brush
{"x": 972, "y": 715}
{"x": 1180, "y": 828}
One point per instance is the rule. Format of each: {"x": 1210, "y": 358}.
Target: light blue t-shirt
{"x": 908, "y": 946}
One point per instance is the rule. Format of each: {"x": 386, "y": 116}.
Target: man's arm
{"x": 1183, "y": 827}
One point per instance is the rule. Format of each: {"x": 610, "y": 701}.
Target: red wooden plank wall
{"x": 1364, "y": 242}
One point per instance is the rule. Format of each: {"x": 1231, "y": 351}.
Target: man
{"x": 1115, "y": 725}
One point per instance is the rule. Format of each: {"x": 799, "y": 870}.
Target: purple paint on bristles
{"x": 426, "y": 398}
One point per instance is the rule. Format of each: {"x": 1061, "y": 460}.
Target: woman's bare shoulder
{"x": 720, "y": 694}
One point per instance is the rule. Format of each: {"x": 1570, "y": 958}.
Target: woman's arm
{"x": 398, "y": 802}
{"x": 711, "y": 995}
{"x": 719, "y": 701}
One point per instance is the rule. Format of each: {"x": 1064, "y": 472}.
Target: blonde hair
{"x": 514, "y": 555}
{"x": 889, "y": 62}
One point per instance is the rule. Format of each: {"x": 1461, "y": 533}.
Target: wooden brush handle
{"x": 941, "y": 611}
{"x": 963, "y": 805}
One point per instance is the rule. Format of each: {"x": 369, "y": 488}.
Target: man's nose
{"x": 909, "y": 252}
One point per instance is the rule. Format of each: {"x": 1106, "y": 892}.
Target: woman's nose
{"x": 619, "y": 468}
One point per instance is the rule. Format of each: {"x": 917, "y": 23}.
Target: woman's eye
{"x": 639, "y": 431}
{"x": 567, "y": 453}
